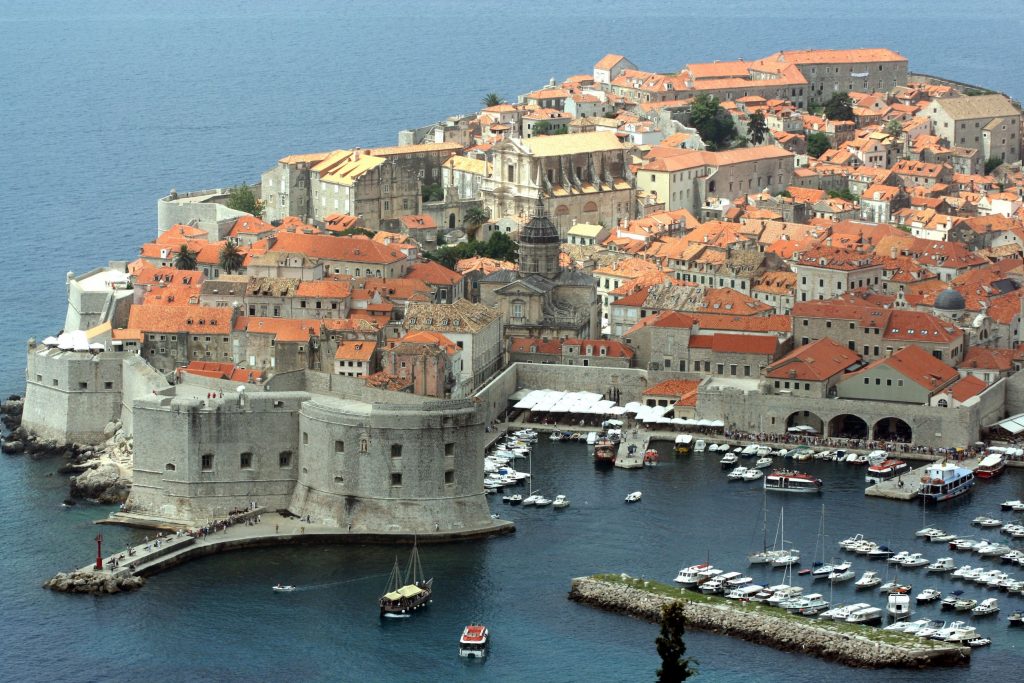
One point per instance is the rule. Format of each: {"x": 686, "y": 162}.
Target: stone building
{"x": 988, "y": 123}
{"x": 603, "y": 353}
{"x": 826, "y": 272}
{"x": 474, "y": 328}
{"x": 827, "y": 72}
{"x": 542, "y": 299}
{"x": 581, "y": 177}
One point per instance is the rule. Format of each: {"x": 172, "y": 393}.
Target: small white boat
{"x": 736, "y": 474}
{"x": 690, "y": 576}
{"x": 634, "y": 497}
{"x": 850, "y": 542}
{"x": 763, "y": 463}
{"x": 986, "y": 607}
{"x": 560, "y": 502}
{"x": 279, "y": 588}
{"x": 542, "y": 502}
{"x": 914, "y": 560}
{"x": 928, "y": 595}
{"x": 752, "y": 475}
{"x": 978, "y": 642}
{"x": 965, "y": 604}
{"x": 898, "y": 604}
{"x": 728, "y": 459}
{"x": 699, "y": 446}
{"x": 532, "y": 499}
{"x": 744, "y": 593}
{"x": 868, "y": 580}
{"x": 513, "y": 499}
{"x": 898, "y": 557}
{"x": 840, "y": 576}
{"x": 928, "y": 531}
{"x": 868, "y": 615}
{"x": 943, "y": 564}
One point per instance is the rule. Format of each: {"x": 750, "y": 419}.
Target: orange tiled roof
{"x": 814, "y": 362}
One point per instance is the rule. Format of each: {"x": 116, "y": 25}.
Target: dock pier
{"x": 907, "y": 486}
{"x": 631, "y": 450}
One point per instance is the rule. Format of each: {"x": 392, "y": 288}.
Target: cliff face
{"x": 858, "y": 647}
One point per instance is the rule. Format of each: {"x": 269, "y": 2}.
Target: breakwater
{"x": 849, "y": 644}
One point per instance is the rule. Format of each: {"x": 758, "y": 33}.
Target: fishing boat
{"x": 885, "y": 470}
{"x": 945, "y": 481}
{"x": 279, "y": 588}
{"x": 928, "y": 595}
{"x": 789, "y": 481}
{"x": 473, "y": 642}
{"x": 898, "y": 604}
{"x": 691, "y": 576}
{"x": 990, "y": 466}
{"x": 401, "y": 599}
{"x": 949, "y": 602}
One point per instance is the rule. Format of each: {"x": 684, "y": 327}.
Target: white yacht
{"x": 736, "y": 474}
{"x": 928, "y": 595}
{"x": 943, "y": 564}
{"x": 690, "y": 576}
{"x": 868, "y": 615}
{"x": 752, "y": 475}
{"x": 986, "y": 607}
{"x": 763, "y": 463}
{"x": 634, "y": 497}
{"x": 914, "y": 560}
{"x": 898, "y": 604}
{"x": 699, "y": 446}
{"x": 868, "y": 580}
{"x": 560, "y": 502}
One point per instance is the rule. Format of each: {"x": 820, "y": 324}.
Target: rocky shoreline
{"x": 100, "y": 583}
{"x": 102, "y": 474}
{"x": 644, "y": 600}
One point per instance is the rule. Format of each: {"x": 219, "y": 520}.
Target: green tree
{"x": 185, "y": 258}
{"x": 242, "y": 198}
{"x": 355, "y": 230}
{"x": 548, "y": 128}
{"x": 474, "y": 217}
{"x": 839, "y": 107}
{"x": 712, "y": 122}
{"x": 817, "y": 143}
{"x": 501, "y": 247}
{"x": 894, "y": 129}
{"x": 843, "y": 194}
{"x": 757, "y": 129}
{"x": 991, "y": 164}
{"x": 230, "y": 258}
{"x": 433, "y": 192}
{"x": 492, "y": 99}
{"x": 675, "y": 666}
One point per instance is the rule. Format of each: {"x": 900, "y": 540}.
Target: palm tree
{"x": 473, "y": 219}
{"x": 186, "y": 259}
{"x": 492, "y": 99}
{"x": 230, "y": 258}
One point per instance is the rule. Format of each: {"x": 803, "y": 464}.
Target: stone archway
{"x": 892, "y": 429}
{"x": 805, "y": 418}
{"x": 848, "y": 426}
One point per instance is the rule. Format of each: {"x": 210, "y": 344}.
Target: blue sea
{"x": 106, "y": 106}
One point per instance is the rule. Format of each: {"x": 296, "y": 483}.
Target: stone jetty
{"x": 94, "y": 583}
{"x": 849, "y": 644}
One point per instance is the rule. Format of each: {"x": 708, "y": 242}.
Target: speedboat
{"x": 985, "y": 521}
{"x": 473, "y": 642}
{"x": 728, "y": 459}
{"x": 699, "y": 445}
{"x": 880, "y": 552}
{"x": 962, "y": 544}
{"x": 513, "y": 499}
{"x": 690, "y": 576}
{"x": 943, "y": 564}
{"x": 914, "y": 560}
{"x": 931, "y": 629}
{"x": 783, "y": 592}
{"x": 898, "y": 604}
{"x": 560, "y": 502}
{"x": 542, "y": 501}
{"x": 762, "y": 463}
{"x": 752, "y": 475}
{"x": 986, "y": 607}
{"x": 868, "y": 580}
{"x": 823, "y": 571}
{"x": 736, "y": 474}
{"x": 928, "y": 531}
{"x": 928, "y": 595}
{"x": 1016, "y": 505}
{"x": 279, "y": 588}
{"x": 839, "y": 576}
{"x": 634, "y": 497}
{"x": 868, "y": 615}
{"x": 949, "y": 602}
{"x": 965, "y": 604}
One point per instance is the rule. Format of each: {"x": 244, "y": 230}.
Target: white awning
{"x": 1013, "y": 424}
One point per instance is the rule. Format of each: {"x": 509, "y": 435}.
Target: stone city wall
{"x": 138, "y": 379}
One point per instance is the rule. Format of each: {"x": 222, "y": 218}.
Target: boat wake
{"x": 331, "y": 584}
{"x": 392, "y": 615}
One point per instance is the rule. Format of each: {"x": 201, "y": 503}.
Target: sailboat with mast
{"x": 768, "y": 555}
{"x": 403, "y": 599}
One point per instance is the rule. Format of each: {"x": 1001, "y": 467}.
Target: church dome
{"x": 950, "y": 300}
{"x": 540, "y": 230}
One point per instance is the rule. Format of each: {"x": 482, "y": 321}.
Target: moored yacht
{"x": 868, "y": 580}
{"x": 898, "y": 604}
{"x": 691, "y": 576}
{"x": 928, "y": 595}
{"x": 867, "y": 615}
{"x": 945, "y": 481}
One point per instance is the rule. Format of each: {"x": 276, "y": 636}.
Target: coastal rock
{"x": 13, "y": 446}
{"x": 93, "y": 583}
{"x": 104, "y": 483}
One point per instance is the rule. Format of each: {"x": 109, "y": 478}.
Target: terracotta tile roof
{"x": 418, "y": 222}
{"x": 250, "y": 225}
{"x": 917, "y": 365}
{"x": 175, "y": 319}
{"x": 765, "y": 345}
{"x": 323, "y": 289}
{"x": 814, "y": 362}
{"x": 675, "y": 388}
{"x": 551, "y": 347}
{"x": 433, "y": 273}
{"x": 357, "y": 350}
{"x": 983, "y": 358}
{"x": 854, "y": 56}
{"x": 228, "y": 371}
{"x": 967, "y": 387}
{"x": 283, "y": 329}
{"x": 836, "y": 259}
{"x": 350, "y": 249}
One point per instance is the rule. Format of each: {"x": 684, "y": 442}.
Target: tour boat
{"x": 990, "y": 466}
{"x": 898, "y": 604}
{"x": 473, "y": 642}
{"x": 792, "y": 482}
{"x": 605, "y": 451}
{"x": 560, "y": 502}
{"x": 945, "y": 481}
{"x": 683, "y": 444}
{"x": 283, "y": 589}
{"x": 928, "y": 595}
{"x": 885, "y": 470}
{"x": 691, "y": 576}
{"x": 633, "y": 497}
{"x": 414, "y": 594}
{"x": 650, "y": 458}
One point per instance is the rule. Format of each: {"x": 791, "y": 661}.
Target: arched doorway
{"x": 848, "y": 427}
{"x": 805, "y": 422}
{"x": 892, "y": 429}
{"x": 451, "y": 221}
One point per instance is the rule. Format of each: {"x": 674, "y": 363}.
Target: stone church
{"x": 542, "y": 299}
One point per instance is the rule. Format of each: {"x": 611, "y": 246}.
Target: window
{"x": 245, "y": 461}
{"x": 396, "y": 450}
{"x": 449, "y": 449}
{"x": 56, "y": 383}
{"x": 83, "y": 385}
{"x": 169, "y": 467}
{"x": 108, "y": 385}
{"x": 449, "y": 476}
{"x": 396, "y": 478}
{"x": 207, "y": 462}
{"x": 284, "y": 459}
{"x": 339, "y": 446}
{"x": 720, "y": 368}
{"x": 305, "y": 438}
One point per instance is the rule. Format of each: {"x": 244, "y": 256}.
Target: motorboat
{"x": 890, "y": 586}
{"x": 978, "y": 642}
{"x": 634, "y": 497}
{"x": 823, "y": 571}
{"x": 994, "y": 549}
{"x": 986, "y": 607}
{"x": 473, "y": 642}
{"x": 945, "y": 481}
{"x": 959, "y": 632}
{"x": 949, "y": 602}
{"x": 786, "y": 558}
{"x": 928, "y": 595}
{"x": 762, "y": 463}
{"x": 868, "y": 580}
{"x": 928, "y": 532}
{"x": 752, "y": 475}
{"x": 650, "y": 457}
{"x": 531, "y": 499}
{"x": 699, "y": 445}
{"x": 729, "y": 459}
{"x": 990, "y": 466}
{"x": 744, "y": 593}
{"x": 783, "y": 592}
{"x": 944, "y": 538}
{"x": 683, "y": 444}
{"x": 898, "y": 557}
{"x": 931, "y": 629}
{"x": 898, "y": 603}
{"x": 880, "y": 552}
{"x": 885, "y": 470}
{"x": 749, "y": 451}
{"x": 738, "y": 581}
{"x": 962, "y": 544}
{"x": 849, "y": 542}
{"x": 712, "y": 586}
{"x": 965, "y": 604}
{"x": 842, "y": 613}
{"x": 736, "y": 474}
{"x": 914, "y": 560}
{"x": 961, "y": 572}
{"x": 908, "y": 626}
{"x": 560, "y": 502}
{"x": 986, "y": 522}
{"x": 690, "y": 576}
{"x": 868, "y": 615}
{"x": 839, "y": 576}
{"x": 864, "y": 547}
{"x": 281, "y": 588}
{"x": 513, "y": 499}
{"x": 542, "y": 501}
{"x": 811, "y": 604}
{"x": 789, "y": 481}
{"x": 1015, "y": 505}
{"x": 1016, "y": 619}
